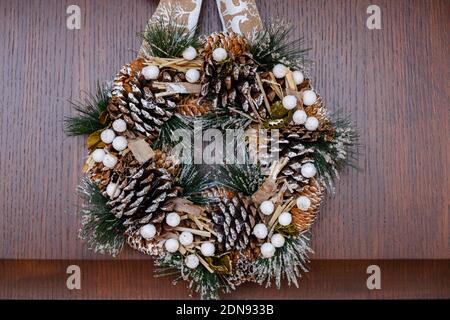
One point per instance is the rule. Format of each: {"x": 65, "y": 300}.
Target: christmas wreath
{"x": 220, "y": 223}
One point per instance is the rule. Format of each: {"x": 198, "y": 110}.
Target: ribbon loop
{"x": 239, "y": 16}
{"x": 184, "y": 12}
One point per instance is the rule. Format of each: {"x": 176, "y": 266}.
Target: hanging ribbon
{"x": 184, "y": 12}
{"x": 239, "y": 16}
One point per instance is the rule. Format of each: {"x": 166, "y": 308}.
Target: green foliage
{"x": 91, "y": 112}
{"x": 168, "y": 39}
{"x": 193, "y": 179}
{"x": 99, "y": 227}
{"x": 225, "y": 119}
{"x": 201, "y": 281}
{"x": 330, "y": 157}
{"x": 288, "y": 262}
{"x": 272, "y": 45}
{"x": 245, "y": 178}
{"x": 167, "y": 137}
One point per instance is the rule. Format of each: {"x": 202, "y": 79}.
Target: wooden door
{"x": 394, "y": 82}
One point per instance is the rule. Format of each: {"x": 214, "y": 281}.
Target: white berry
{"x": 309, "y": 97}
{"x": 112, "y": 190}
{"x": 98, "y": 155}
{"x": 186, "y": 238}
{"x": 308, "y": 170}
{"x": 150, "y": 72}
{"x": 311, "y": 124}
{"x": 192, "y": 75}
{"x": 109, "y": 161}
{"x": 120, "y": 143}
{"x": 220, "y": 54}
{"x": 290, "y": 102}
{"x": 267, "y": 207}
{"x": 107, "y": 136}
{"x": 173, "y": 219}
{"x": 298, "y": 77}
{"x": 148, "y": 231}
{"x": 303, "y": 203}
{"x": 280, "y": 71}
{"x": 119, "y": 125}
{"x": 277, "y": 240}
{"x": 260, "y": 231}
{"x": 299, "y": 117}
{"x": 285, "y": 219}
{"x": 191, "y": 261}
{"x": 189, "y": 53}
{"x": 267, "y": 250}
{"x": 207, "y": 249}
{"x": 171, "y": 245}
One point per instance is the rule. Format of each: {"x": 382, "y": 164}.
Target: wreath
{"x": 220, "y": 223}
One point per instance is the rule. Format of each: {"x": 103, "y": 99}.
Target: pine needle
{"x": 194, "y": 179}
{"x": 102, "y": 231}
{"x": 244, "y": 178}
{"x": 89, "y": 111}
{"x": 201, "y": 281}
{"x": 272, "y": 45}
{"x": 168, "y": 39}
{"x": 331, "y": 157}
{"x": 288, "y": 262}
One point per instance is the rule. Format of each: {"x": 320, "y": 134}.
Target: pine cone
{"x": 145, "y": 192}
{"x": 303, "y": 219}
{"x": 233, "y": 216}
{"x": 133, "y": 100}
{"x": 190, "y": 107}
{"x": 233, "y": 43}
{"x": 293, "y": 144}
{"x": 102, "y": 176}
{"x": 232, "y": 82}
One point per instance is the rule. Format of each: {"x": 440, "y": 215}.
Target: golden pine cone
{"x": 191, "y": 108}
{"x": 235, "y": 44}
{"x": 304, "y": 219}
{"x": 166, "y": 161}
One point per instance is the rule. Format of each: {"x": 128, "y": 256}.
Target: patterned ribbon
{"x": 185, "y": 12}
{"x": 240, "y": 16}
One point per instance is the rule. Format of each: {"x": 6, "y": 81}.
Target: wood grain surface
{"x": 332, "y": 279}
{"x": 393, "y": 82}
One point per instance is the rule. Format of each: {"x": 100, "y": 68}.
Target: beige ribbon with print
{"x": 184, "y": 12}
{"x": 240, "y": 16}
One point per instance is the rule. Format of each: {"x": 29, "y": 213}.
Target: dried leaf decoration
{"x": 104, "y": 117}
{"x": 94, "y": 142}
{"x": 287, "y": 231}
{"x": 220, "y": 264}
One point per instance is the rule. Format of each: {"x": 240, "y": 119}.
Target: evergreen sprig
{"x": 201, "y": 281}
{"x": 288, "y": 262}
{"x": 102, "y": 231}
{"x": 168, "y": 135}
{"x": 272, "y": 45}
{"x": 88, "y": 119}
{"x": 330, "y": 157}
{"x": 168, "y": 39}
{"x": 224, "y": 119}
{"x": 193, "y": 179}
{"x": 245, "y": 178}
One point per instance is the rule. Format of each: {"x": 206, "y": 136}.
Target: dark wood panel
{"x": 393, "y": 82}
{"x": 405, "y": 279}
